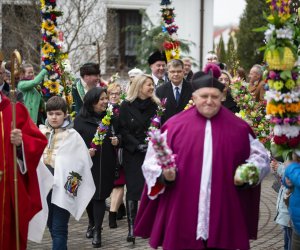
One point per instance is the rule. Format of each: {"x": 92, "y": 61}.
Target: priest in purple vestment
{"x": 204, "y": 203}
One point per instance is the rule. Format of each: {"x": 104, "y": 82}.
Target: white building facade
{"x": 194, "y": 18}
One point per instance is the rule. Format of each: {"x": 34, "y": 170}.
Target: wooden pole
{"x": 15, "y": 58}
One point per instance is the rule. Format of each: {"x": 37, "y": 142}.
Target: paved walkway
{"x": 269, "y": 235}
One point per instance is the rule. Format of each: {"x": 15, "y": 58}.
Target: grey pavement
{"x": 269, "y": 235}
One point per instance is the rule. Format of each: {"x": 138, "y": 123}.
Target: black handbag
{"x": 119, "y": 163}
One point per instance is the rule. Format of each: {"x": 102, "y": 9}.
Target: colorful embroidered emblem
{"x": 73, "y": 183}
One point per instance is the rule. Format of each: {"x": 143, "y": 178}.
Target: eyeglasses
{"x": 175, "y": 71}
{"x": 114, "y": 93}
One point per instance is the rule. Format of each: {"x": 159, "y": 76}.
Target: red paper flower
{"x": 280, "y": 140}
{"x": 294, "y": 142}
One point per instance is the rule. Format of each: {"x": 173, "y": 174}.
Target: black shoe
{"x": 89, "y": 232}
{"x": 112, "y": 218}
{"x": 121, "y": 212}
{"x": 131, "y": 238}
{"x": 96, "y": 238}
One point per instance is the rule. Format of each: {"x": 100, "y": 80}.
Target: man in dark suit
{"x": 157, "y": 63}
{"x": 177, "y": 91}
{"x": 89, "y": 78}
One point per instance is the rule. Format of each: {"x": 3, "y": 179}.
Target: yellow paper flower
{"x": 47, "y": 25}
{"x": 271, "y": 83}
{"x": 54, "y": 87}
{"x": 278, "y": 62}
{"x": 47, "y": 83}
{"x": 272, "y": 109}
{"x": 290, "y": 84}
{"x": 48, "y": 48}
{"x": 189, "y": 105}
{"x": 106, "y": 121}
{"x": 278, "y": 85}
{"x": 42, "y": 4}
{"x": 293, "y": 107}
{"x": 242, "y": 114}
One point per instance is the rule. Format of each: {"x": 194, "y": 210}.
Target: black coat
{"x": 166, "y": 91}
{"x": 134, "y": 125}
{"x": 6, "y": 91}
{"x": 104, "y": 161}
{"x": 230, "y": 103}
{"x": 189, "y": 76}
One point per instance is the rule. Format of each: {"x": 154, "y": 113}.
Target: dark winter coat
{"x": 230, "y": 103}
{"x": 104, "y": 161}
{"x": 135, "y": 120}
{"x": 189, "y": 76}
{"x": 172, "y": 108}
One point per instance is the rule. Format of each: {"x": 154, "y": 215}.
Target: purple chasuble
{"x": 170, "y": 220}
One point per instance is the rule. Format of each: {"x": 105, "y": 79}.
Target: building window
{"x": 123, "y": 27}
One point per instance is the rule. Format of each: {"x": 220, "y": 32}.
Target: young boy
{"x": 68, "y": 159}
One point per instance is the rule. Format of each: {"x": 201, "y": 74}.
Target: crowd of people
{"x": 106, "y": 148}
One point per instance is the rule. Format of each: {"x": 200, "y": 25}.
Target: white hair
{"x": 135, "y": 72}
{"x": 211, "y": 55}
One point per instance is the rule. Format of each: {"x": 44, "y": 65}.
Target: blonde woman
{"x": 135, "y": 117}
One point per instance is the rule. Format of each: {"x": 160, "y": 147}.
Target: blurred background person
{"x": 29, "y": 85}
{"x": 256, "y": 83}
{"x": 5, "y": 83}
{"x": 187, "y": 66}
{"x": 89, "y": 78}
{"x": 228, "y": 101}
{"x": 241, "y": 74}
{"x": 117, "y": 207}
{"x": 134, "y": 72}
{"x": 157, "y": 62}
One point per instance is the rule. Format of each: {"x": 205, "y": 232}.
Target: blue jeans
{"x": 58, "y": 219}
{"x": 287, "y": 231}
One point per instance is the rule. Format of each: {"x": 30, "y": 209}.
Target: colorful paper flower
{"x": 251, "y": 111}
{"x": 102, "y": 129}
{"x": 283, "y": 107}
{"x": 156, "y": 119}
{"x": 59, "y": 78}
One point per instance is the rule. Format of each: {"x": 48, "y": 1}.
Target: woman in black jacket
{"x": 135, "y": 117}
{"x": 229, "y": 102}
{"x": 104, "y": 157}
